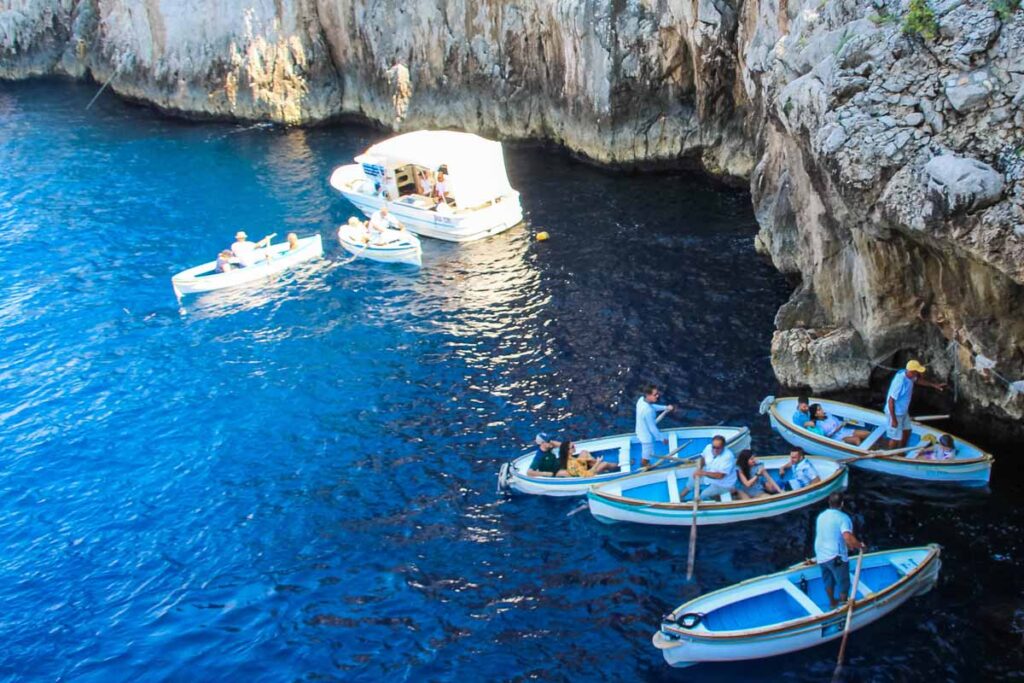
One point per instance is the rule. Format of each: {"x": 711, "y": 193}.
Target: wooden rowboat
{"x": 653, "y": 497}
{"x": 619, "y": 449}
{"x": 398, "y": 246}
{"x": 789, "y": 611}
{"x": 971, "y": 467}
{"x": 269, "y": 261}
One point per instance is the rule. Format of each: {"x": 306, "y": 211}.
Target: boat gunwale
{"x": 613, "y": 476}
{"x": 854, "y": 451}
{"x": 934, "y": 551}
{"x": 687, "y": 506}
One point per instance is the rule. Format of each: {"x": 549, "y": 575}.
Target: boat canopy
{"x": 476, "y": 166}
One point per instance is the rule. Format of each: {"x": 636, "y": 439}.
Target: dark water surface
{"x": 299, "y": 482}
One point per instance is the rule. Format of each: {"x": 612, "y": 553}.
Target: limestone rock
{"x": 824, "y": 360}
{"x": 963, "y": 184}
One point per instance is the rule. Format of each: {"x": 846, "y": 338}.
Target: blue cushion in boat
{"x": 760, "y": 610}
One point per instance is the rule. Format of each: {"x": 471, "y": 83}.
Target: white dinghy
{"x": 654, "y": 497}
{"x": 789, "y": 611}
{"x": 271, "y": 260}
{"x": 480, "y": 201}
{"x": 619, "y": 449}
{"x": 394, "y": 246}
{"x": 970, "y": 465}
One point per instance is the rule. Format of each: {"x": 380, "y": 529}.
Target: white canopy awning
{"x": 476, "y": 166}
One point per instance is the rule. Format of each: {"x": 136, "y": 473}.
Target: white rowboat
{"x": 397, "y": 246}
{"x": 483, "y": 201}
{"x": 789, "y": 611}
{"x": 653, "y": 497}
{"x": 269, "y": 261}
{"x": 970, "y": 467}
{"x": 620, "y": 449}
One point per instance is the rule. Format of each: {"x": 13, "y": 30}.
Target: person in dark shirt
{"x": 545, "y": 460}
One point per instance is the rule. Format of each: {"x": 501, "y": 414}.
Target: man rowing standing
{"x": 833, "y": 539}
{"x": 647, "y": 431}
{"x": 245, "y": 251}
{"x": 897, "y": 402}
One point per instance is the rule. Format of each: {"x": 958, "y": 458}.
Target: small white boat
{"x": 653, "y": 497}
{"x": 268, "y": 261}
{"x": 397, "y": 246}
{"x": 970, "y": 467}
{"x": 619, "y": 449}
{"x": 482, "y": 202}
{"x": 789, "y": 611}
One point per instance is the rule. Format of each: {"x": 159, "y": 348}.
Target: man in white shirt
{"x": 717, "y": 470}
{"x": 833, "y": 537}
{"x": 647, "y": 431}
{"x": 801, "y": 470}
{"x": 245, "y": 251}
{"x": 380, "y": 222}
{"x": 897, "y": 402}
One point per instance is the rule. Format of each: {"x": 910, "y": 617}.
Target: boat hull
{"x": 403, "y": 248}
{"x": 619, "y": 447}
{"x": 682, "y": 647}
{"x": 457, "y": 226}
{"x": 969, "y": 471}
{"x": 612, "y": 503}
{"x": 204, "y": 278}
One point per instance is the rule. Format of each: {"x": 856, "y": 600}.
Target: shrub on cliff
{"x": 920, "y": 20}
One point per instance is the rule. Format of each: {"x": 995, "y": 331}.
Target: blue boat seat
{"x": 753, "y": 612}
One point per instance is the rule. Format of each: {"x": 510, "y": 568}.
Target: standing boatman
{"x": 647, "y": 431}
{"x": 833, "y": 539}
{"x": 897, "y": 402}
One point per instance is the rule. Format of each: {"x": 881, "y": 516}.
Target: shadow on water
{"x": 298, "y": 481}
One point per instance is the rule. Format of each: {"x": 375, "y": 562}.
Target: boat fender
{"x": 542, "y": 236}
{"x": 688, "y": 620}
{"x": 803, "y": 584}
{"x": 766, "y": 405}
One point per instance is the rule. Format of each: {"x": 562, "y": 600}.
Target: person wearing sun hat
{"x": 244, "y": 250}
{"x": 897, "y": 402}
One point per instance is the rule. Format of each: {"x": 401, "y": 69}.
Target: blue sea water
{"x": 298, "y": 482}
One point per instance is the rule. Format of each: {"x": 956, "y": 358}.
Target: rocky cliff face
{"x": 885, "y": 167}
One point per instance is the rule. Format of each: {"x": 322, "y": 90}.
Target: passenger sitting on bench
{"x": 717, "y": 468}
{"x": 582, "y": 463}
{"x": 946, "y": 449}
{"x": 834, "y": 428}
{"x": 754, "y": 481}
{"x": 800, "y": 470}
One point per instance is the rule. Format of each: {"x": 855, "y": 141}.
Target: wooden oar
{"x": 883, "y": 454}
{"x": 693, "y": 528}
{"x": 849, "y": 617}
{"x": 929, "y": 418}
{"x": 661, "y": 415}
{"x": 668, "y": 456}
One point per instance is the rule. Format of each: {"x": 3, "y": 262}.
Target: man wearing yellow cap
{"x": 897, "y": 402}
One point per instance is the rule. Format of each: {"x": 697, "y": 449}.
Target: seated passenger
{"x": 545, "y": 460}
{"x": 834, "y": 428}
{"x": 799, "y": 470}
{"x": 245, "y": 251}
{"x": 423, "y": 183}
{"x": 581, "y": 464}
{"x": 802, "y": 414}
{"x": 441, "y": 189}
{"x": 717, "y": 470}
{"x": 946, "y": 449}
{"x": 293, "y": 241}
{"x": 224, "y": 261}
{"x": 754, "y": 481}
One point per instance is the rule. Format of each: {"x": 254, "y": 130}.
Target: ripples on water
{"x": 299, "y": 481}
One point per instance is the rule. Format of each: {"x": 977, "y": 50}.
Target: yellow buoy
{"x": 542, "y": 236}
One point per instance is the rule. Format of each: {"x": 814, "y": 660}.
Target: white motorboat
{"x": 481, "y": 202}
{"x": 271, "y": 260}
{"x": 392, "y": 246}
